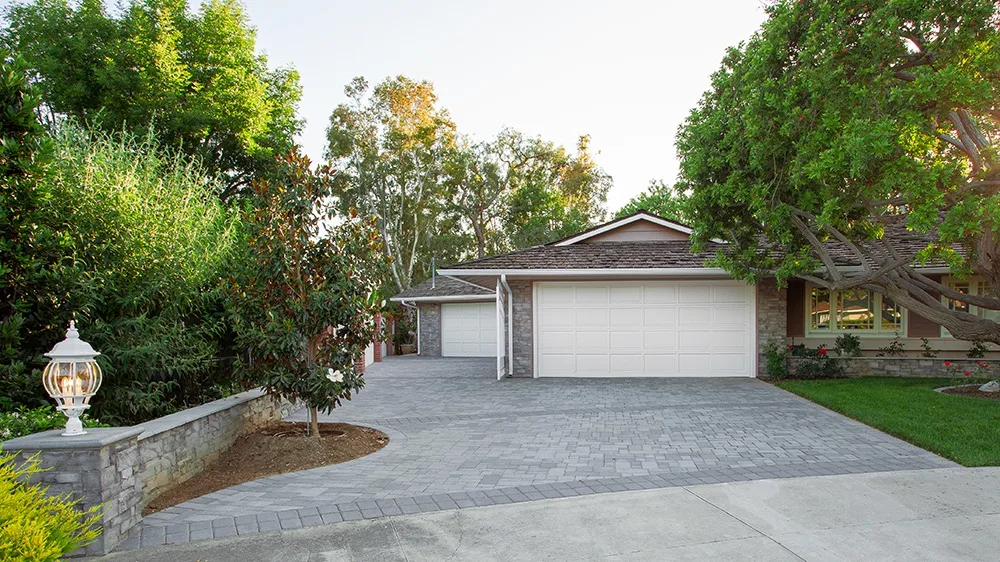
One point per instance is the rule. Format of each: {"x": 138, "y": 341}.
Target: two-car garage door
{"x": 644, "y": 329}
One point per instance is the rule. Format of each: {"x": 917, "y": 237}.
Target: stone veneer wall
{"x": 124, "y": 468}
{"x": 523, "y": 329}
{"x": 95, "y": 468}
{"x": 176, "y": 447}
{"x": 907, "y": 366}
{"x": 430, "y": 329}
{"x": 772, "y": 320}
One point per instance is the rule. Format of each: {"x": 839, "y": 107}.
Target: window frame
{"x": 834, "y": 328}
{"x": 975, "y": 283}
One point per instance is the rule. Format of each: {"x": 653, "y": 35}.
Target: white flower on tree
{"x": 335, "y": 376}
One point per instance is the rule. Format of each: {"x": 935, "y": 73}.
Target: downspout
{"x": 417, "y": 308}
{"x": 510, "y": 325}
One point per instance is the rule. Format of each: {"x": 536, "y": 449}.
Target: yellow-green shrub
{"x": 34, "y": 526}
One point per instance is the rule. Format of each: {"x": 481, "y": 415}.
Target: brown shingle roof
{"x": 600, "y": 255}
{"x": 444, "y": 286}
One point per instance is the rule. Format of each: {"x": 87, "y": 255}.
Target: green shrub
{"x": 777, "y": 361}
{"x": 848, "y": 345}
{"x": 26, "y": 421}
{"x": 894, "y": 349}
{"x": 816, "y": 364}
{"x": 977, "y": 350}
{"x": 37, "y": 527}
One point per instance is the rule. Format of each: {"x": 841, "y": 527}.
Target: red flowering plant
{"x": 815, "y": 363}
{"x": 979, "y": 371}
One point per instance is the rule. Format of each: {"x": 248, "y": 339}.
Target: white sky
{"x": 624, "y": 72}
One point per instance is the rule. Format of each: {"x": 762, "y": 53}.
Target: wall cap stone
{"x": 177, "y": 419}
{"x": 95, "y": 438}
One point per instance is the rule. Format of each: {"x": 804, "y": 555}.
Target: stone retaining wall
{"x": 123, "y": 468}
{"x": 176, "y": 447}
{"x": 907, "y": 366}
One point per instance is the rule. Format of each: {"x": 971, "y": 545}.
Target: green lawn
{"x": 965, "y": 430}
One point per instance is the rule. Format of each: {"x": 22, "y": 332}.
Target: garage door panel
{"x": 644, "y": 328}
{"x": 626, "y": 341}
{"x": 592, "y": 317}
{"x": 660, "y": 317}
{"x": 593, "y": 363}
{"x": 667, "y": 364}
{"x": 732, "y": 315}
{"x": 468, "y": 329}
{"x": 694, "y": 315}
{"x": 660, "y": 293}
{"x": 695, "y": 340}
{"x": 660, "y": 340}
{"x": 626, "y": 317}
{"x": 695, "y": 293}
{"x": 626, "y": 295}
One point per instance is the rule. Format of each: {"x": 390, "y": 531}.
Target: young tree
{"x": 853, "y": 124}
{"x": 390, "y": 143}
{"x": 196, "y": 75}
{"x": 305, "y": 305}
{"x": 659, "y": 199}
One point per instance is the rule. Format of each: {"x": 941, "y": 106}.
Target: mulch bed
{"x": 972, "y": 391}
{"x": 275, "y": 449}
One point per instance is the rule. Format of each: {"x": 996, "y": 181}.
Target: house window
{"x": 853, "y": 310}
{"x": 972, "y": 286}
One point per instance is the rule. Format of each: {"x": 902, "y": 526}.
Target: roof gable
{"x": 640, "y": 226}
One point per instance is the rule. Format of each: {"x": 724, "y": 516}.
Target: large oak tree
{"x": 860, "y": 126}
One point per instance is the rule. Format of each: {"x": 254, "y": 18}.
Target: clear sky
{"x": 624, "y": 72}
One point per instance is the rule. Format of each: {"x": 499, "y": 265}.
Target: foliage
{"x": 195, "y": 75}
{"x": 977, "y": 350}
{"x": 659, "y": 199}
{"x": 777, "y": 361}
{"x": 25, "y": 421}
{"x": 848, "y": 345}
{"x": 389, "y": 144}
{"x": 894, "y": 348}
{"x": 855, "y": 122}
{"x": 980, "y": 371}
{"x": 565, "y": 194}
{"x": 814, "y": 363}
{"x": 28, "y": 241}
{"x": 960, "y": 428}
{"x": 123, "y": 235}
{"x": 925, "y": 344}
{"x": 36, "y": 526}
{"x": 438, "y": 194}
{"x": 305, "y": 302}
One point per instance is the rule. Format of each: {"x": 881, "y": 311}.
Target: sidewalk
{"x": 941, "y": 514}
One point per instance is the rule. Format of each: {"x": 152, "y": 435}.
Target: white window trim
{"x": 876, "y": 332}
{"x": 975, "y": 282}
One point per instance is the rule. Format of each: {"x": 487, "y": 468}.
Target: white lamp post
{"x": 72, "y": 377}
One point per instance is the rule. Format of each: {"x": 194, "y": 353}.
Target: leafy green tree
{"x": 28, "y": 243}
{"x": 305, "y": 303}
{"x": 197, "y": 76}
{"x": 853, "y": 122}
{"x": 659, "y": 199}
{"x": 561, "y": 193}
{"x": 389, "y": 144}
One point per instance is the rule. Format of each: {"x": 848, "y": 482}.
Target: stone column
{"x": 96, "y": 468}
{"x": 772, "y": 320}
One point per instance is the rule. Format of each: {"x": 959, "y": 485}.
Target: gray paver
{"x": 520, "y": 440}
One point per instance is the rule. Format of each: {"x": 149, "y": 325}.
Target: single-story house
{"x": 629, "y": 299}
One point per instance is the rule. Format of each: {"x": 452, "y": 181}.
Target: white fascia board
{"x": 622, "y": 222}
{"x": 483, "y": 297}
{"x": 615, "y": 272}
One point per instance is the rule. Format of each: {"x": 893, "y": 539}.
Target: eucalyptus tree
{"x": 390, "y": 144}
{"x": 870, "y": 127}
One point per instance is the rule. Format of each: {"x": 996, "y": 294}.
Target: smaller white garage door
{"x": 469, "y": 329}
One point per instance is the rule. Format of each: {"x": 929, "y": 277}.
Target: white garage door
{"x": 469, "y": 329}
{"x": 644, "y": 329}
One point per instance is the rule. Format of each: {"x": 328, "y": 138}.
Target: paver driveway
{"x": 460, "y": 438}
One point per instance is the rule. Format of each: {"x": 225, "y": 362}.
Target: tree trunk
{"x": 313, "y": 422}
